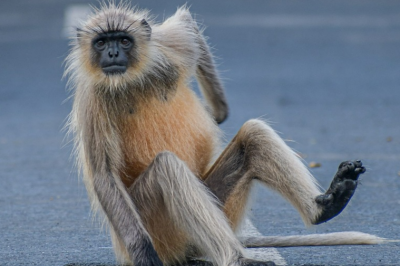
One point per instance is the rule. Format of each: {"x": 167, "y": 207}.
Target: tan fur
{"x": 169, "y": 239}
{"x": 235, "y": 205}
{"x": 174, "y": 126}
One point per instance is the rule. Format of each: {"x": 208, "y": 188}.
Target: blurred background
{"x": 325, "y": 74}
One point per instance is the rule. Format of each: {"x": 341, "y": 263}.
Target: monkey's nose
{"x": 113, "y": 53}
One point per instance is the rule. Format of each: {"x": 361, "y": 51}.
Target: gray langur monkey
{"x": 145, "y": 144}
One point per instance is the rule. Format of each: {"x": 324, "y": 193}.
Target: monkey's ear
{"x": 147, "y": 28}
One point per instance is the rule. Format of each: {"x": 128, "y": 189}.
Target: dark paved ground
{"x": 326, "y": 74}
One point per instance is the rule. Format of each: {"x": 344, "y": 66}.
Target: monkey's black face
{"x": 112, "y": 51}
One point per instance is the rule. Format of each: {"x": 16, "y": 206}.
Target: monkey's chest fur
{"x": 180, "y": 125}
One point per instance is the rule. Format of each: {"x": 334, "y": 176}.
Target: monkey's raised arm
{"x": 182, "y": 35}
{"x": 210, "y": 83}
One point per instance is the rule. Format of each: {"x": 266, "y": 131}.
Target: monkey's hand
{"x": 147, "y": 256}
{"x": 340, "y": 191}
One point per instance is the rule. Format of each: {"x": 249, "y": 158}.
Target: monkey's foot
{"x": 340, "y": 191}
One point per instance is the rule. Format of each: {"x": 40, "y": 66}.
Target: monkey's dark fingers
{"x": 340, "y": 191}
{"x": 148, "y": 257}
{"x": 154, "y": 261}
{"x": 194, "y": 262}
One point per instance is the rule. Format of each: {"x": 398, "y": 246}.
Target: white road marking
{"x": 305, "y": 21}
{"x": 74, "y": 14}
{"x": 365, "y": 156}
{"x": 263, "y": 254}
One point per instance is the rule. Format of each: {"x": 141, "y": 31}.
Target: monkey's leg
{"x": 178, "y": 211}
{"x": 257, "y": 152}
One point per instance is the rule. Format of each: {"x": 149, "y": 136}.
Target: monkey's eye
{"x": 100, "y": 44}
{"x": 125, "y": 42}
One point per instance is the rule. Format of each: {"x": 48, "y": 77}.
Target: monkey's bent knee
{"x": 256, "y": 124}
{"x": 254, "y": 130}
{"x": 167, "y": 163}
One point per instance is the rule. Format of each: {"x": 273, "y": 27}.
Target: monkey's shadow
{"x": 191, "y": 263}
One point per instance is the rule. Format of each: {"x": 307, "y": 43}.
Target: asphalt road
{"x": 325, "y": 74}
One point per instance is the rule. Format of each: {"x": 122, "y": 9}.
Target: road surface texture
{"x": 326, "y": 74}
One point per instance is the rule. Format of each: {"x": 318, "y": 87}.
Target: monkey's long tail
{"x": 330, "y": 239}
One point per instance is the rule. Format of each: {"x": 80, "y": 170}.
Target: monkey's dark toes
{"x": 324, "y": 199}
{"x": 340, "y": 191}
{"x": 360, "y": 170}
{"x": 350, "y": 170}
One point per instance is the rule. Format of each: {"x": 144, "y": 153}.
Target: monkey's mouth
{"x": 114, "y": 69}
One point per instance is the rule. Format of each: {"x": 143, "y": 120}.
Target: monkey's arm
{"x": 188, "y": 49}
{"x": 210, "y": 83}
{"x": 102, "y": 166}
{"x": 207, "y": 76}
{"x": 124, "y": 219}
